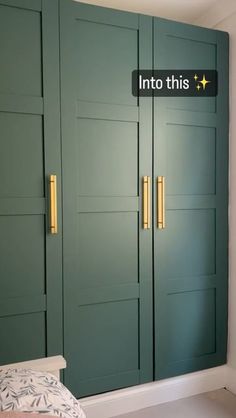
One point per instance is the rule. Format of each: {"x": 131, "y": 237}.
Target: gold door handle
{"x": 53, "y": 203}
{"x": 146, "y": 203}
{"x": 161, "y": 218}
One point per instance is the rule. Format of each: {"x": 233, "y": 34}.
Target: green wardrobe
{"x": 133, "y": 286}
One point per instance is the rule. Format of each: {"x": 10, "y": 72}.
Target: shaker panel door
{"x": 106, "y": 147}
{"x": 30, "y": 258}
{"x": 190, "y": 253}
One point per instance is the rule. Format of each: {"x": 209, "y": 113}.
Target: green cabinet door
{"x": 30, "y": 258}
{"x": 190, "y": 254}
{"x": 107, "y": 149}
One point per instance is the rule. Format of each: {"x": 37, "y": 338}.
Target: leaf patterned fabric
{"x": 33, "y": 391}
{"x": 17, "y": 414}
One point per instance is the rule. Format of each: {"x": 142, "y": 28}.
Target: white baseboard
{"x": 231, "y": 380}
{"x": 137, "y": 397}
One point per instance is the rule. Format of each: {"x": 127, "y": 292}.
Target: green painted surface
{"x": 105, "y": 248}
{"x": 192, "y": 148}
{"x": 17, "y": 344}
{"x": 182, "y": 341}
{"x": 114, "y": 165}
{"x": 30, "y": 259}
{"x": 23, "y": 150}
{"x": 190, "y": 255}
{"x": 116, "y": 262}
{"x": 106, "y": 358}
{"x": 106, "y": 146}
{"x": 104, "y": 76}
{"x": 20, "y": 51}
{"x": 110, "y": 140}
{"x": 22, "y": 255}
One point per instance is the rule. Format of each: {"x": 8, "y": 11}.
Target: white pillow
{"x": 33, "y": 391}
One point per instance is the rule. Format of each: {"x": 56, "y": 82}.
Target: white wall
{"x": 224, "y": 18}
{"x": 181, "y": 10}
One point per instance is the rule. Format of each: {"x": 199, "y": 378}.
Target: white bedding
{"x": 34, "y": 391}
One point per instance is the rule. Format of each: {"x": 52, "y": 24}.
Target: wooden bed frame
{"x": 48, "y": 364}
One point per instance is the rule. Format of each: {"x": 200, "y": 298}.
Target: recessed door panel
{"x": 21, "y": 59}
{"x": 116, "y": 260}
{"x": 110, "y": 53}
{"x": 27, "y": 333}
{"x": 22, "y": 240}
{"x": 191, "y": 49}
{"x": 119, "y": 320}
{"x": 203, "y": 53}
{"x": 107, "y": 153}
{"x": 21, "y": 147}
{"x": 191, "y": 160}
{"x": 115, "y": 318}
{"x": 182, "y": 342}
{"x": 186, "y": 223}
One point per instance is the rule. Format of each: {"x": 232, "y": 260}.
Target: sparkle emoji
{"x": 198, "y": 87}
{"x": 204, "y": 82}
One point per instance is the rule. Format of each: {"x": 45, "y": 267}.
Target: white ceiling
{"x": 181, "y": 10}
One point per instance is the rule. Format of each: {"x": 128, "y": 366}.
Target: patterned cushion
{"x": 34, "y": 391}
{"x": 16, "y": 414}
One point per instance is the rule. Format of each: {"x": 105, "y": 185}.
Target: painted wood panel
{"x": 190, "y": 254}
{"x": 30, "y": 259}
{"x": 20, "y": 51}
{"x": 118, "y": 151}
{"x": 106, "y": 147}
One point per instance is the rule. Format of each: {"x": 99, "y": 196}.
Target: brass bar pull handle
{"x": 53, "y": 203}
{"x": 146, "y": 203}
{"x": 161, "y": 218}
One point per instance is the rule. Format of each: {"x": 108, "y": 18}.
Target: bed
{"x": 34, "y": 387}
